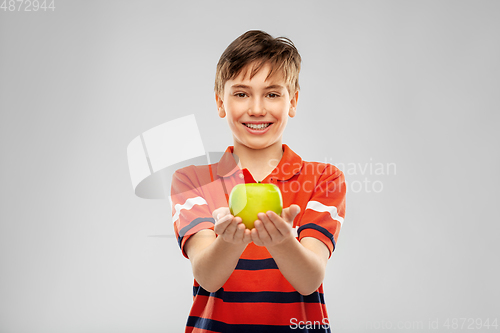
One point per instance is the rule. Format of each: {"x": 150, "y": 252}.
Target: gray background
{"x": 407, "y": 83}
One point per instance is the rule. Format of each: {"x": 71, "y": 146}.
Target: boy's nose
{"x": 257, "y": 108}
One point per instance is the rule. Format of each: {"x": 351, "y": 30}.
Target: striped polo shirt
{"x": 257, "y": 297}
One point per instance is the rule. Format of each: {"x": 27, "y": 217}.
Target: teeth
{"x": 259, "y": 126}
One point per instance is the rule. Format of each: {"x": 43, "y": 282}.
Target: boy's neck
{"x": 259, "y": 162}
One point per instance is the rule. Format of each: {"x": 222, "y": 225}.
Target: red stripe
{"x": 261, "y": 280}
{"x": 256, "y": 313}
{"x": 253, "y": 251}
{"x": 318, "y": 235}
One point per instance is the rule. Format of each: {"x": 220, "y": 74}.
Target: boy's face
{"x": 263, "y": 105}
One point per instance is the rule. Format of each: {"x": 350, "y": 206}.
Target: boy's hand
{"x": 272, "y": 229}
{"x": 230, "y": 228}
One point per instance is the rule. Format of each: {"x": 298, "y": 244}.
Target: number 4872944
{"x": 470, "y": 323}
{"x": 27, "y": 5}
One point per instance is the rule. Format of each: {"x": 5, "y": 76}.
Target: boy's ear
{"x": 220, "y": 106}
{"x": 293, "y": 104}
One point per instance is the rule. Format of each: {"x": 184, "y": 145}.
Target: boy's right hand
{"x": 230, "y": 228}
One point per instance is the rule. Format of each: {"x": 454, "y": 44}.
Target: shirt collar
{"x": 289, "y": 165}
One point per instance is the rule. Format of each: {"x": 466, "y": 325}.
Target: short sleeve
{"x": 325, "y": 211}
{"x": 190, "y": 211}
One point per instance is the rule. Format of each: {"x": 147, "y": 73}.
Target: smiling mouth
{"x": 257, "y": 127}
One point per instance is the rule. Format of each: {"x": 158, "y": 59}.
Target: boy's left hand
{"x": 271, "y": 229}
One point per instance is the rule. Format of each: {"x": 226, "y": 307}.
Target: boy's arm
{"x": 214, "y": 259}
{"x": 302, "y": 263}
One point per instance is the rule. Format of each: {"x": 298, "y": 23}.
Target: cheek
{"x": 282, "y": 113}
{"x": 235, "y": 110}
{"x": 282, "y": 124}
{"x": 233, "y": 118}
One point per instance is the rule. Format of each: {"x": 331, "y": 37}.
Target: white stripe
{"x": 319, "y": 207}
{"x": 187, "y": 205}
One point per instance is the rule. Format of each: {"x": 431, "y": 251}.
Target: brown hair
{"x": 259, "y": 46}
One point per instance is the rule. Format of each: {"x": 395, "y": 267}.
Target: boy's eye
{"x": 240, "y": 94}
{"x": 273, "y": 95}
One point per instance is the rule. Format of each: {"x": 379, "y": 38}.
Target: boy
{"x": 268, "y": 279}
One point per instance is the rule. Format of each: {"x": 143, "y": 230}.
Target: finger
{"x": 254, "y": 234}
{"x": 240, "y": 229}
{"x": 222, "y": 224}
{"x": 290, "y": 213}
{"x": 220, "y": 212}
{"x": 226, "y": 219}
{"x": 269, "y": 225}
{"x": 282, "y": 226}
{"x": 240, "y": 232}
{"x": 231, "y": 230}
{"x": 247, "y": 236}
{"x": 264, "y": 236}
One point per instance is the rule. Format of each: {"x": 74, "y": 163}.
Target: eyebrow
{"x": 242, "y": 86}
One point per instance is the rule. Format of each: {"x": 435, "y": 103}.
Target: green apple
{"x": 247, "y": 200}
